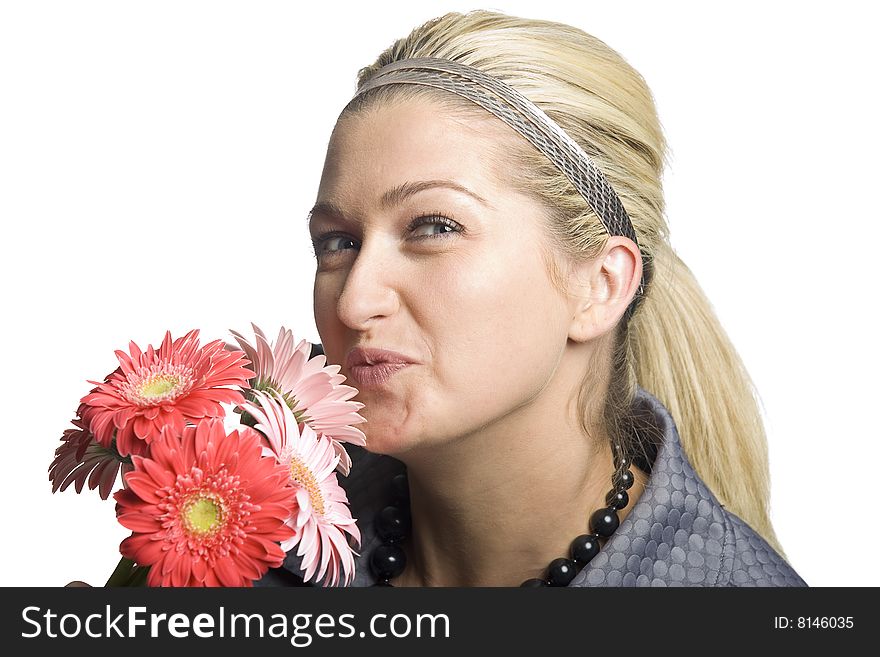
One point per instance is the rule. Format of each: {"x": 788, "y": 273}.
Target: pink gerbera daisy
{"x": 178, "y": 383}
{"x": 206, "y": 509}
{"x": 313, "y": 391}
{"x": 323, "y": 517}
{"x": 80, "y": 459}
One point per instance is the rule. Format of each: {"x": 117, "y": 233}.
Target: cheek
{"x": 503, "y": 323}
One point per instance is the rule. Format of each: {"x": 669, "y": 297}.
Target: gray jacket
{"x": 677, "y": 534}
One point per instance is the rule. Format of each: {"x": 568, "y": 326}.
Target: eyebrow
{"x": 397, "y": 195}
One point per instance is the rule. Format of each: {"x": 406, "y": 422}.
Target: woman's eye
{"x": 323, "y": 244}
{"x": 443, "y": 225}
{"x": 421, "y": 228}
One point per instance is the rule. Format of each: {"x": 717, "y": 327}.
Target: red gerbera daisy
{"x": 206, "y": 509}
{"x": 178, "y": 383}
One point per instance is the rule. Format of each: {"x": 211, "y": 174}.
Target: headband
{"x": 528, "y": 120}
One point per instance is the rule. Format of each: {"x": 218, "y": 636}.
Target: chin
{"x": 389, "y": 444}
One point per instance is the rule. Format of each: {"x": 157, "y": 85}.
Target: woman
{"x": 494, "y": 275}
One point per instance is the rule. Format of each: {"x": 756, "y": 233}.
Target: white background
{"x": 157, "y": 160}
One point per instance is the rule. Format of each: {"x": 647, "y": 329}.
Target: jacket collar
{"x": 677, "y": 532}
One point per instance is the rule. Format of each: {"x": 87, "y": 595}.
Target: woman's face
{"x": 424, "y": 251}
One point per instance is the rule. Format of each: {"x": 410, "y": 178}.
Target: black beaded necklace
{"x": 392, "y": 524}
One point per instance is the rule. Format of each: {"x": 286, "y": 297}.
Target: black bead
{"x": 383, "y": 582}
{"x": 584, "y": 548}
{"x": 392, "y": 524}
{"x": 400, "y": 489}
{"x": 623, "y": 479}
{"x": 617, "y": 499}
{"x": 533, "y": 583}
{"x": 387, "y": 561}
{"x": 604, "y": 522}
{"x": 560, "y": 572}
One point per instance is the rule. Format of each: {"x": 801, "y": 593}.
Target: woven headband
{"x": 528, "y": 120}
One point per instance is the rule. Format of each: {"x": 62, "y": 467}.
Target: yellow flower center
{"x": 159, "y": 386}
{"x": 160, "y": 383}
{"x": 203, "y": 515}
{"x": 304, "y": 477}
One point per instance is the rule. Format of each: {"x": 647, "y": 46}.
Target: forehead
{"x": 383, "y": 146}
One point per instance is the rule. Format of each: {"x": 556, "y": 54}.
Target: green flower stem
{"x": 128, "y": 573}
{"x": 123, "y": 573}
{"x": 139, "y": 578}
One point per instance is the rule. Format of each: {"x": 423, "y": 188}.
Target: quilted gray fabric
{"x": 677, "y": 534}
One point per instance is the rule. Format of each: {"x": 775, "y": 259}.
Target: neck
{"x": 496, "y": 507}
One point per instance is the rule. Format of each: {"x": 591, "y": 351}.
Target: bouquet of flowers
{"x": 212, "y": 507}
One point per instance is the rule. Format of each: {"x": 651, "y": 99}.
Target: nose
{"x": 369, "y": 292}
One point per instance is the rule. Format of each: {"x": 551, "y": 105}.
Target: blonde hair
{"x": 673, "y": 346}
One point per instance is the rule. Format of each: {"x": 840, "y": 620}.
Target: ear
{"x": 602, "y": 288}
